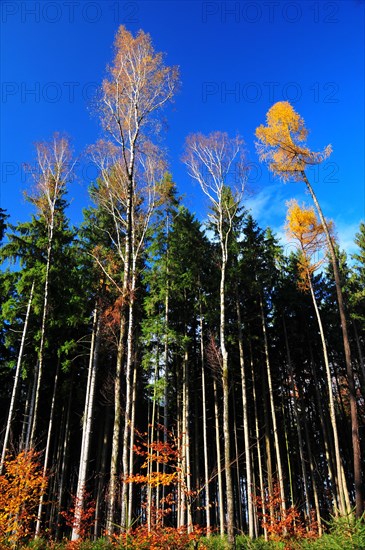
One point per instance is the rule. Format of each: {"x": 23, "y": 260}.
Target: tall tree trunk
{"x": 87, "y": 425}
{"x": 151, "y": 440}
{"x": 127, "y": 415}
{"x": 349, "y": 370}
{"x": 113, "y": 483}
{"x": 225, "y": 387}
{"x": 340, "y": 487}
{"x": 64, "y": 464}
{"x": 126, "y": 296}
{"x": 25, "y": 422}
{"x": 131, "y": 452}
{"x": 240, "y": 495}
{"x": 326, "y": 440}
{"x": 39, "y": 365}
{"x": 219, "y": 464}
{"x": 273, "y": 413}
{"x": 205, "y": 439}
{"x": 46, "y": 454}
{"x": 30, "y": 411}
{"x": 100, "y": 484}
{"x": 186, "y": 441}
{"x": 287, "y": 445}
{"x": 16, "y": 381}
{"x": 313, "y": 479}
{"x": 258, "y": 445}
{"x": 166, "y": 360}
{"x": 246, "y": 432}
{"x": 361, "y": 357}
{"x": 297, "y": 423}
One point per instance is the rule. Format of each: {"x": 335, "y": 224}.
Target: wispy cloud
{"x": 266, "y": 204}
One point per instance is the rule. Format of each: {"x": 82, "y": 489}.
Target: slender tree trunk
{"x": 268, "y": 450}
{"x": 180, "y": 460}
{"x": 297, "y": 423}
{"x": 25, "y": 423}
{"x": 16, "y": 381}
{"x": 166, "y": 361}
{"x": 286, "y": 439}
{"x": 30, "y": 410}
{"x": 258, "y": 445}
{"x": 198, "y": 504}
{"x": 100, "y": 485}
{"x": 46, "y": 455}
{"x": 225, "y": 386}
{"x": 219, "y": 464}
{"x": 205, "y": 439}
{"x": 39, "y": 366}
{"x": 127, "y": 415}
{"x": 240, "y": 495}
{"x": 326, "y": 441}
{"x": 87, "y": 425}
{"x": 65, "y": 455}
{"x": 313, "y": 479}
{"x": 340, "y": 487}
{"x": 246, "y": 431}
{"x": 346, "y": 344}
{"x": 131, "y": 453}
{"x": 186, "y": 442}
{"x": 361, "y": 357}
{"x": 151, "y": 437}
{"x": 113, "y": 485}
{"x": 273, "y": 413}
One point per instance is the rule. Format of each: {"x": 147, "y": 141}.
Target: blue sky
{"x": 236, "y": 60}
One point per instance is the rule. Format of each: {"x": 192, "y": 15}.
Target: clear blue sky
{"x": 236, "y": 60}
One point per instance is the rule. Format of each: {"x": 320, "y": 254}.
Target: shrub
{"x": 21, "y": 487}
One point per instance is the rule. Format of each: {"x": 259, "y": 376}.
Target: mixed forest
{"x": 165, "y": 382}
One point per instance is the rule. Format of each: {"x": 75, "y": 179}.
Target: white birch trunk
{"x": 47, "y": 450}
{"x": 245, "y": 426}
{"x": 39, "y": 366}
{"x": 87, "y": 426}
{"x": 16, "y": 381}
{"x": 205, "y": 439}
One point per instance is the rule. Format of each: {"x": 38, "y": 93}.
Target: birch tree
{"x": 16, "y": 381}
{"x": 51, "y": 173}
{"x": 217, "y": 163}
{"x": 138, "y": 85}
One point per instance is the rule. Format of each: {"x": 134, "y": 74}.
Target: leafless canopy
{"x": 217, "y": 162}
{"x": 51, "y": 172}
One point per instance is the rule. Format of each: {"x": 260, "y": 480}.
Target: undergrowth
{"x": 342, "y": 533}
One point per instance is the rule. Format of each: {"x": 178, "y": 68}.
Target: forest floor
{"x": 341, "y": 534}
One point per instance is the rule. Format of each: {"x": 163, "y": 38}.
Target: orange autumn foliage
{"x": 138, "y": 84}
{"x": 283, "y": 526}
{"x": 21, "y": 487}
{"x": 87, "y": 518}
{"x": 303, "y": 226}
{"x": 161, "y": 538}
{"x": 282, "y": 143}
{"x": 156, "y": 452}
{"x": 165, "y": 453}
